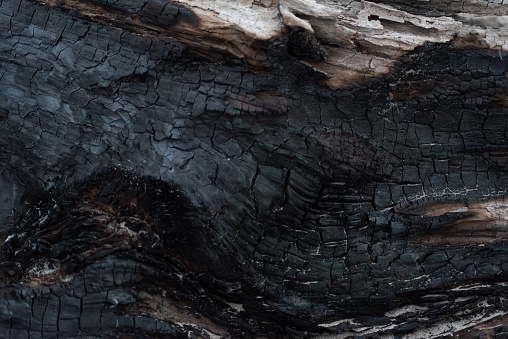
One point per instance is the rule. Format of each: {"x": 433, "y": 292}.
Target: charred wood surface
{"x": 170, "y": 172}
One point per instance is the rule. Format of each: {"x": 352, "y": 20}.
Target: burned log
{"x": 252, "y": 169}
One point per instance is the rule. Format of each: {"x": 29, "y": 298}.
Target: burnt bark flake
{"x": 252, "y": 169}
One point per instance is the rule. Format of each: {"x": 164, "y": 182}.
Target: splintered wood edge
{"x": 469, "y": 222}
{"x": 360, "y": 40}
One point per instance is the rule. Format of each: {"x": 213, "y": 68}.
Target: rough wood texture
{"x": 266, "y": 169}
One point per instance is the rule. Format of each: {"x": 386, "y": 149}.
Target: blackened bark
{"x": 152, "y": 188}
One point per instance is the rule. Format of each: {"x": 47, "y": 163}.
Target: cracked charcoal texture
{"x": 148, "y": 191}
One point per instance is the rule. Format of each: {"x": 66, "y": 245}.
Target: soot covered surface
{"x": 150, "y": 191}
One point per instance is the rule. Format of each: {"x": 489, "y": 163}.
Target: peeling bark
{"x": 252, "y": 169}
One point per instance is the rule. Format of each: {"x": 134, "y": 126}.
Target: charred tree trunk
{"x": 253, "y": 169}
